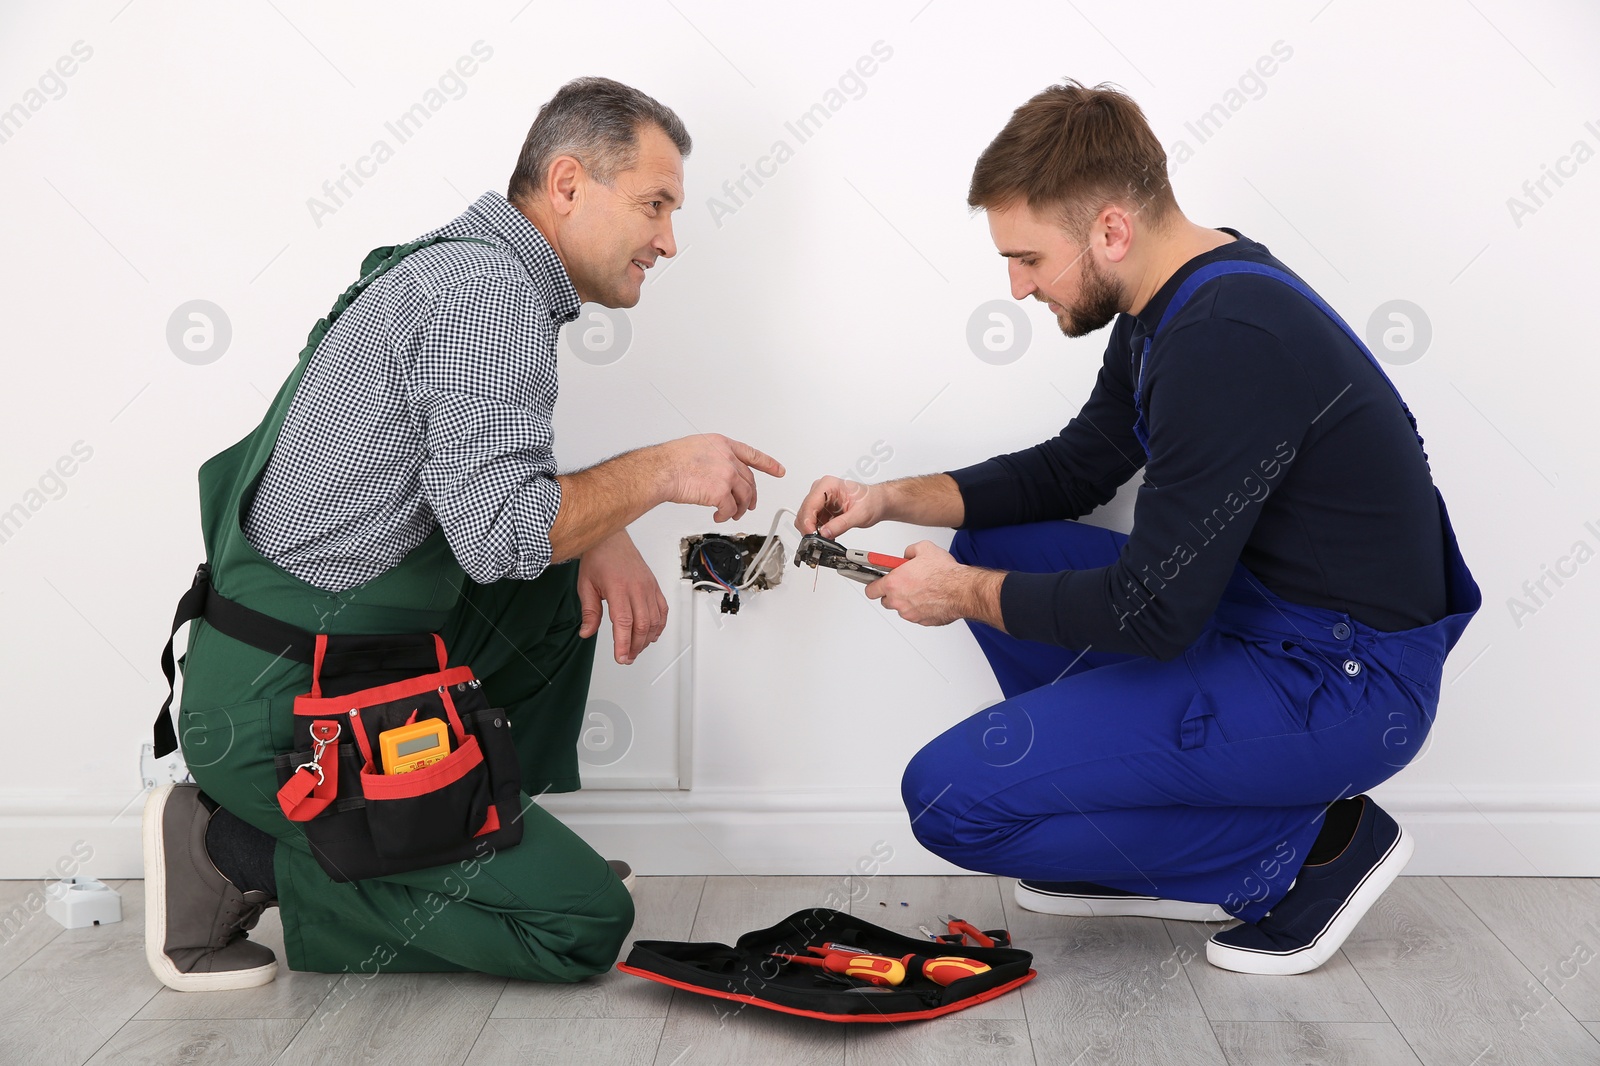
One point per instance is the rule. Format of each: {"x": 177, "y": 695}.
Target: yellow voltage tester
{"x": 411, "y": 747}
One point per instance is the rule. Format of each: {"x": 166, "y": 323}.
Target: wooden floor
{"x": 1457, "y": 970}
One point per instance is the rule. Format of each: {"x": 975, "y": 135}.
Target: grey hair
{"x": 597, "y": 122}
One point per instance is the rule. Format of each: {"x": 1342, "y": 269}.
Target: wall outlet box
{"x": 76, "y": 902}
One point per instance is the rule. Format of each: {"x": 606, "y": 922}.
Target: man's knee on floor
{"x": 611, "y": 921}
{"x": 601, "y": 928}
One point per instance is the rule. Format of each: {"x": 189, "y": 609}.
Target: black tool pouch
{"x": 750, "y": 973}
{"x": 362, "y": 822}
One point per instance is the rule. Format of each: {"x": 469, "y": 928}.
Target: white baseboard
{"x": 1549, "y": 831}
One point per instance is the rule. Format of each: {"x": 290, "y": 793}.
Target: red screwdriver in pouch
{"x": 886, "y": 970}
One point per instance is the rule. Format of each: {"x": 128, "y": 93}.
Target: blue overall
{"x": 1203, "y": 778}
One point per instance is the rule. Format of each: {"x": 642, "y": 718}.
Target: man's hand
{"x": 834, "y": 505}
{"x": 714, "y": 471}
{"x": 707, "y": 469}
{"x": 613, "y": 571}
{"x": 931, "y": 589}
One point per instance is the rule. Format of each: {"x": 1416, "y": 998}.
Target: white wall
{"x": 830, "y": 309}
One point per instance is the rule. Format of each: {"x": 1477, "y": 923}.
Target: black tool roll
{"x": 748, "y": 973}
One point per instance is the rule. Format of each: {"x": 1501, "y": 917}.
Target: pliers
{"x": 961, "y": 930}
{"x": 857, "y": 565}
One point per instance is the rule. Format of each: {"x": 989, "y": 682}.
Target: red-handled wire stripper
{"x": 816, "y": 550}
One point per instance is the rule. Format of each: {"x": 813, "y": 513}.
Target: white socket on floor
{"x": 76, "y": 902}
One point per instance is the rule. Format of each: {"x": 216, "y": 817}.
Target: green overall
{"x": 548, "y": 909}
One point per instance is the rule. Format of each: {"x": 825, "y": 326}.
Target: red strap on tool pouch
{"x": 316, "y": 664}
{"x": 314, "y": 784}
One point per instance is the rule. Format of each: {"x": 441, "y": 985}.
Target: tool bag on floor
{"x": 748, "y": 972}
{"x": 460, "y": 799}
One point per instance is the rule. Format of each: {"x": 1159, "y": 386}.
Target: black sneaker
{"x": 1085, "y": 899}
{"x": 1305, "y": 927}
{"x": 196, "y": 921}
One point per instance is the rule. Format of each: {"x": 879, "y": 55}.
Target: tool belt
{"x": 754, "y": 971}
{"x": 360, "y": 821}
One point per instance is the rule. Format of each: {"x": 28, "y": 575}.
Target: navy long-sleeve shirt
{"x": 1273, "y": 441}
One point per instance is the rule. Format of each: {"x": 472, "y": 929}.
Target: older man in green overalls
{"x": 403, "y": 482}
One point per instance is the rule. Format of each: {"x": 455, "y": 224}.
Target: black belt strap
{"x": 234, "y": 620}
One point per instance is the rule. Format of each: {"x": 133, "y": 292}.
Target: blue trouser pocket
{"x": 1266, "y": 685}
{"x": 1242, "y": 699}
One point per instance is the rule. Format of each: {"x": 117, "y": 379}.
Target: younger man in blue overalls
{"x": 1194, "y": 710}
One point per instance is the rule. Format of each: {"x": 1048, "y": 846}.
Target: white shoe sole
{"x": 1078, "y": 906}
{"x": 1332, "y": 937}
{"x": 155, "y": 914}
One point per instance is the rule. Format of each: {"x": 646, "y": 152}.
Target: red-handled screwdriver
{"x": 941, "y": 970}
{"x": 876, "y": 969}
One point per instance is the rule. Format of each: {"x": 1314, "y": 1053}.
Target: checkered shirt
{"x": 429, "y": 403}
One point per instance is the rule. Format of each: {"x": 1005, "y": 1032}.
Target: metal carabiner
{"x": 319, "y": 743}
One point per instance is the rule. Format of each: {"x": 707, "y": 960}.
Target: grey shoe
{"x": 195, "y": 921}
{"x": 624, "y": 873}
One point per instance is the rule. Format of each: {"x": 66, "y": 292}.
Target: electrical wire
{"x": 753, "y": 569}
{"x": 705, "y": 561}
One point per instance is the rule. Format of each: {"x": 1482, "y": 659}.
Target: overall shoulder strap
{"x": 1237, "y": 266}
{"x": 378, "y": 262}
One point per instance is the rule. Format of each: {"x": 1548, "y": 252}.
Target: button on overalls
{"x": 548, "y": 909}
{"x": 1203, "y": 778}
